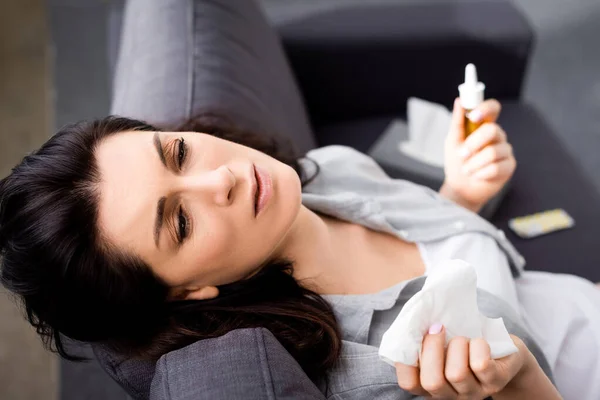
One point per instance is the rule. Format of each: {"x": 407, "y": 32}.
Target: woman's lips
{"x": 264, "y": 190}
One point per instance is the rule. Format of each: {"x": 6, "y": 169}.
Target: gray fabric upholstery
{"x": 179, "y": 58}
{"x": 247, "y": 364}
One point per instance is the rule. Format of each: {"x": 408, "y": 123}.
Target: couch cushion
{"x": 358, "y": 59}
{"x": 178, "y": 58}
{"x": 548, "y": 177}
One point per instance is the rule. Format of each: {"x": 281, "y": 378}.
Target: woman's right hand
{"x": 465, "y": 370}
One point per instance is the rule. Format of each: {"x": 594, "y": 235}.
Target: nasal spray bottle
{"x": 471, "y": 95}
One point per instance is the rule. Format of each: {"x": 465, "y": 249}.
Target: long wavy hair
{"x": 72, "y": 283}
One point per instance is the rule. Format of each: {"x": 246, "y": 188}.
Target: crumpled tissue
{"x": 449, "y": 297}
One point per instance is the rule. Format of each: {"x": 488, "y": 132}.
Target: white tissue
{"x": 449, "y": 296}
{"x": 428, "y": 125}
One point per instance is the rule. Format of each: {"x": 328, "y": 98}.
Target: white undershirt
{"x": 481, "y": 251}
{"x": 562, "y": 312}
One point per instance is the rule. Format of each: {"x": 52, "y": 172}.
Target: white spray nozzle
{"x": 470, "y": 75}
{"x": 471, "y": 91}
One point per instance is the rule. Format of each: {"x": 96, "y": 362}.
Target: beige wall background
{"x": 27, "y": 371}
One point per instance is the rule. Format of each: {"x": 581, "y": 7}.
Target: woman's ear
{"x": 203, "y": 293}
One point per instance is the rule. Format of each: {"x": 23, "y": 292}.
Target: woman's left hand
{"x": 477, "y": 167}
{"x": 464, "y": 370}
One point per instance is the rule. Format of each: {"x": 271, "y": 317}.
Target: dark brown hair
{"x": 72, "y": 283}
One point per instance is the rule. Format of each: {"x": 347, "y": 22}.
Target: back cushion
{"x": 179, "y": 58}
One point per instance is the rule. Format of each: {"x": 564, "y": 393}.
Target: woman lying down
{"x": 146, "y": 241}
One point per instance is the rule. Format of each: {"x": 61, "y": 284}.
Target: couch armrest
{"x": 358, "y": 61}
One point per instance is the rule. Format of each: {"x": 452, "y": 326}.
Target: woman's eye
{"x": 181, "y": 153}
{"x": 182, "y": 226}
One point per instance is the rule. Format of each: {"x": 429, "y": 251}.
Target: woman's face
{"x": 186, "y": 203}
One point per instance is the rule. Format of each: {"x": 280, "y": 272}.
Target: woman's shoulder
{"x": 337, "y": 161}
{"x": 345, "y": 169}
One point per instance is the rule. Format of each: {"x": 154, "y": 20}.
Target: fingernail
{"x": 464, "y": 152}
{"x": 435, "y": 328}
{"x": 475, "y": 116}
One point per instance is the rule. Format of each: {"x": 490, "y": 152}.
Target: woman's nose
{"x": 217, "y": 184}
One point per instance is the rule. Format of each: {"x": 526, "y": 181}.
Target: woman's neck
{"x": 330, "y": 256}
{"x": 313, "y": 245}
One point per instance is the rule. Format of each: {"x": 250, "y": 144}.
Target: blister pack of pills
{"x": 541, "y": 223}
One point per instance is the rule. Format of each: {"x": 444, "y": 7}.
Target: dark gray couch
{"x": 355, "y": 67}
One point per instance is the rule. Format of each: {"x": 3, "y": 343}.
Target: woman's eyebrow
{"x": 159, "y": 149}
{"x": 160, "y": 205}
{"x": 159, "y": 220}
